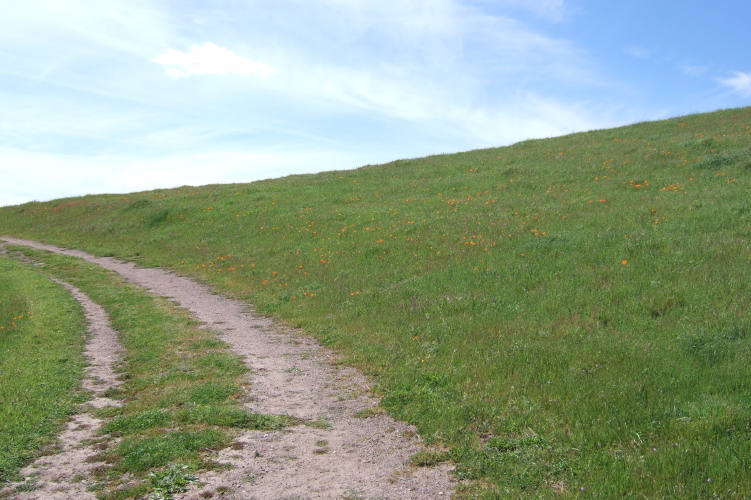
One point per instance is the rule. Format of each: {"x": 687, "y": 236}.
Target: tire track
{"x": 63, "y": 475}
{"x": 336, "y": 455}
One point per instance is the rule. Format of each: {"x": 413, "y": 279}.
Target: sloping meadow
{"x": 567, "y": 316}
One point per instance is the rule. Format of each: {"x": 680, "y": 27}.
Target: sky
{"x": 117, "y": 96}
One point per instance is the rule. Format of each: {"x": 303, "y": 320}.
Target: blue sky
{"x": 128, "y": 95}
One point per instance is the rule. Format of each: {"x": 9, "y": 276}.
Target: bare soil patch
{"x": 333, "y": 454}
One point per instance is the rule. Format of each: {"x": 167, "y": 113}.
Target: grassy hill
{"x": 568, "y": 316}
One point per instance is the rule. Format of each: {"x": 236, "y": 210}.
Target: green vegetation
{"x": 167, "y": 483}
{"x": 181, "y": 388}
{"x": 41, "y": 363}
{"x": 568, "y": 317}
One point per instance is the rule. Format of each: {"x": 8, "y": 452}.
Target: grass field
{"x": 41, "y": 363}
{"x": 565, "y": 317}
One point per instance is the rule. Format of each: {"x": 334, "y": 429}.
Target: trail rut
{"x": 336, "y": 455}
{"x": 58, "y": 476}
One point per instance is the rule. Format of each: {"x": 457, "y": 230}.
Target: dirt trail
{"x": 342, "y": 457}
{"x": 60, "y": 476}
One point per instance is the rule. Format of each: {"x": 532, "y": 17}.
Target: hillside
{"x": 562, "y": 316}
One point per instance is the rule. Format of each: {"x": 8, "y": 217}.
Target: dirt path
{"x": 62, "y": 475}
{"x": 341, "y": 457}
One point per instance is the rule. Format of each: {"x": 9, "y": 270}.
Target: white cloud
{"x": 421, "y": 61}
{"x": 693, "y": 70}
{"x": 740, "y": 83}
{"x": 209, "y": 59}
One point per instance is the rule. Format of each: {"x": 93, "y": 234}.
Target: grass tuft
{"x": 429, "y": 458}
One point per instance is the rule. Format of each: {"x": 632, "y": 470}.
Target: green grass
{"x": 182, "y": 387}
{"x": 41, "y": 364}
{"x": 567, "y": 316}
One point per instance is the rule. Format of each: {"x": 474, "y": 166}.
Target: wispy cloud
{"x": 209, "y": 59}
{"x": 416, "y": 60}
{"x": 331, "y": 84}
{"x": 425, "y": 62}
{"x": 638, "y": 52}
{"x": 740, "y": 83}
{"x": 551, "y": 10}
{"x": 692, "y": 70}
